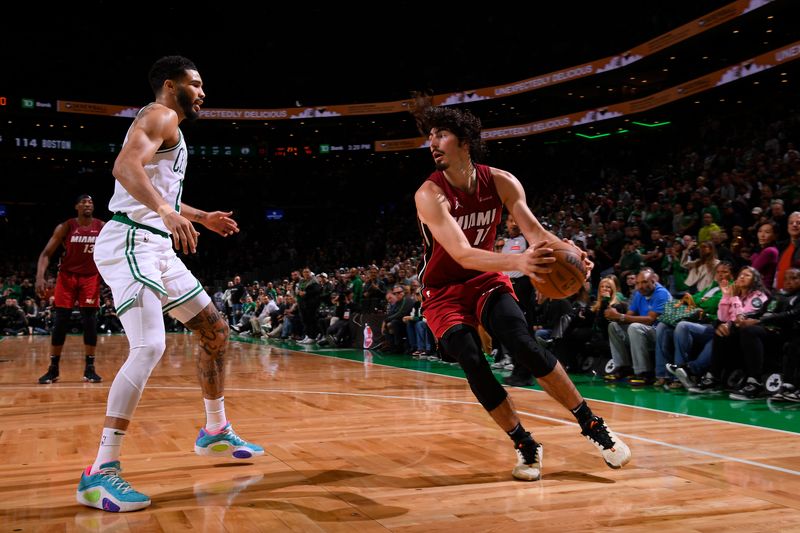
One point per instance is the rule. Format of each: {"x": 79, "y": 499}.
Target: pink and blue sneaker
{"x": 106, "y": 490}
{"x": 225, "y": 443}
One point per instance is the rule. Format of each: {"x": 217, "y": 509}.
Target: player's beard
{"x": 441, "y": 164}
{"x": 187, "y": 105}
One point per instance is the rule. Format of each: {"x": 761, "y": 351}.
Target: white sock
{"x": 215, "y": 414}
{"x": 110, "y": 445}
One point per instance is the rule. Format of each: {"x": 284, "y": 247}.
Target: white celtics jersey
{"x": 166, "y": 171}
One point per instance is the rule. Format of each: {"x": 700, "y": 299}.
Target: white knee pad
{"x": 144, "y": 327}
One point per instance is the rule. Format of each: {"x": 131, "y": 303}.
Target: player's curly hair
{"x": 462, "y": 123}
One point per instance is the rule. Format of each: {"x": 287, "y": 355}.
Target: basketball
{"x": 568, "y": 272}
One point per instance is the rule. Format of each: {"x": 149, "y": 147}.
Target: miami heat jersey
{"x": 478, "y": 214}
{"x": 166, "y": 171}
{"x": 78, "y": 255}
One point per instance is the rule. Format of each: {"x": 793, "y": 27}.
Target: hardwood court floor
{"x": 353, "y": 445}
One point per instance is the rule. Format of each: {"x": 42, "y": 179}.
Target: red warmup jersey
{"x": 478, "y": 214}
{"x": 78, "y": 257}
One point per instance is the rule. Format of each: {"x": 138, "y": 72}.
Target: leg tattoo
{"x": 212, "y": 332}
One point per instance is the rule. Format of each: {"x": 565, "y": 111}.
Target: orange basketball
{"x": 568, "y": 272}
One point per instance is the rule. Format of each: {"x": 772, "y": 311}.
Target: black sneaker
{"x": 50, "y": 377}
{"x": 615, "y": 453}
{"x": 792, "y": 396}
{"x": 90, "y": 375}
{"x": 641, "y": 380}
{"x": 786, "y": 388}
{"x": 752, "y": 390}
{"x": 707, "y": 385}
{"x": 616, "y": 378}
{"x": 529, "y": 461}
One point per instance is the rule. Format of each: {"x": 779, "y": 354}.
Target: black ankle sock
{"x": 89, "y": 361}
{"x": 582, "y": 413}
{"x": 54, "y": 360}
{"x": 518, "y": 434}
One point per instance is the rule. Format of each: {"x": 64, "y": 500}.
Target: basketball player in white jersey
{"x": 135, "y": 257}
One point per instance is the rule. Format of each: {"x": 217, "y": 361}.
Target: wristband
{"x": 164, "y": 210}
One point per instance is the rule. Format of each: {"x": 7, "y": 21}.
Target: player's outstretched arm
{"x": 220, "y": 222}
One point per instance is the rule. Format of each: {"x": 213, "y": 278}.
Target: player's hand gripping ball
{"x": 568, "y": 272}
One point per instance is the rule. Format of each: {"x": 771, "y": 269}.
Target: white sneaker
{"x": 529, "y": 463}
{"x": 500, "y": 363}
{"x": 615, "y": 453}
{"x": 683, "y": 376}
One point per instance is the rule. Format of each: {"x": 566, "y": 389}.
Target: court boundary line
{"x": 543, "y": 392}
{"x": 461, "y": 402}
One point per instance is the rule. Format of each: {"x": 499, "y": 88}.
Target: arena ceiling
{"x": 274, "y": 55}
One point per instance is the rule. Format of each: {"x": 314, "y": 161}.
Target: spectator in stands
{"x": 778, "y": 325}
{"x": 628, "y": 285}
{"x": 701, "y": 261}
{"x": 12, "y": 318}
{"x": 656, "y": 250}
{"x": 420, "y": 338}
{"x": 671, "y": 346}
{"x": 291, "y": 318}
{"x": 730, "y": 217}
{"x": 790, "y": 250}
{"x": 393, "y": 327}
{"x": 778, "y": 215}
{"x": 710, "y": 207}
{"x": 34, "y": 323}
{"x": 688, "y": 222}
{"x": 109, "y": 322}
{"x": 237, "y": 299}
{"x": 765, "y": 256}
{"x": 308, "y": 298}
{"x": 689, "y": 337}
{"x": 590, "y": 330}
{"x": 709, "y": 226}
{"x": 721, "y": 246}
{"x": 788, "y": 320}
{"x": 356, "y": 284}
{"x": 27, "y": 289}
{"x": 632, "y": 334}
{"x": 374, "y": 291}
{"x": 726, "y": 191}
{"x": 673, "y": 274}
{"x": 741, "y": 302}
{"x": 227, "y": 299}
{"x": 338, "y": 332}
{"x": 630, "y": 260}
{"x": 514, "y": 243}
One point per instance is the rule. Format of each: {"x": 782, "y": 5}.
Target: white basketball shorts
{"x": 133, "y": 257}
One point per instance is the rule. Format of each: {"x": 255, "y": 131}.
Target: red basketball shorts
{"x": 76, "y": 287}
{"x": 461, "y": 303}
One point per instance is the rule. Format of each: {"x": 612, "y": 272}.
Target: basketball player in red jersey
{"x": 458, "y": 209}
{"x": 78, "y": 281}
